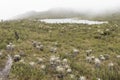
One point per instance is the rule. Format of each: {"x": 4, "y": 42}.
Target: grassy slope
{"x": 69, "y": 36}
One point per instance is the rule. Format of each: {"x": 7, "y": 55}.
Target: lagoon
{"x": 78, "y": 21}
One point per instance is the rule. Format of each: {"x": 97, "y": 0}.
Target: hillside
{"x": 42, "y": 51}
{"x": 52, "y": 13}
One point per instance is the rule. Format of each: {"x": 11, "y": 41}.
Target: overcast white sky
{"x": 9, "y": 8}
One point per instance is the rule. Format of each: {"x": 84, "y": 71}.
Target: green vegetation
{"x": 103, "y": 39}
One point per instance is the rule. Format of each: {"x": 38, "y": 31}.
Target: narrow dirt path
{"x": 5, "y": 72}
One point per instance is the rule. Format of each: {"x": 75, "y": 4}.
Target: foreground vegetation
{"x": 74, "y": 45}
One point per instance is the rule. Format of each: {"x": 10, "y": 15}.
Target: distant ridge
{"x": 68, "y": 13}
{"x": 52, "y": 13}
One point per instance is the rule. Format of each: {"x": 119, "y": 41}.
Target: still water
{"x": 72, "y": 21}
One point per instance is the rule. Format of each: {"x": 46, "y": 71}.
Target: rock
{"x": 34, "y": 43}
{"x": 43, "y": 67}
{"x": 118, "y": 56}
{"x": 97, "y": 62}
{"x": 40, "y": 60}
{"x": 82, "y": 78}
{"x": 89, "y": 52}
{"x": 69, "y": 70}
{"x": 111, "y": 65}
{"x": 22, "y": 54}
{"x": 60, "y": 69}
{"x": 32, "y": 63}
{"x": 75, "y": 52}
{"x": 53, "y": 49}
{"x": 10, "y": 47}
{"x": 16, "y": 58}
{"x": 41, "y": 47}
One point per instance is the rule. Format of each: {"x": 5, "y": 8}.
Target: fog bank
{"x": 10, "y": 8}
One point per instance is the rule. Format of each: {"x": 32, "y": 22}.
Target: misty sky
{"x": 10, "y": 8}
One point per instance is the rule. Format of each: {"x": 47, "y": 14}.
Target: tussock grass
{"x": 68, "y": 36}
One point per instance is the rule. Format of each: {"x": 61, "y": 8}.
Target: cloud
{"x": 9, "y": 8}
